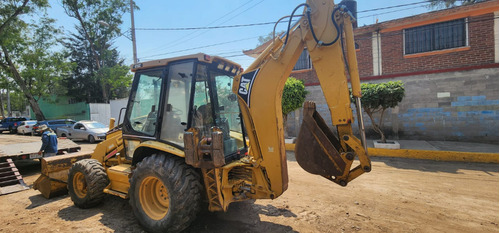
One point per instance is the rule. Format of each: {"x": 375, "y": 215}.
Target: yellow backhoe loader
{"x": 198, "y": 129}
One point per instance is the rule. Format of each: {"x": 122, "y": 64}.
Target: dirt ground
{"x": 399, "y": 195}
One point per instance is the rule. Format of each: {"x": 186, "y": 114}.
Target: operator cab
{"x": 170, "y": 96}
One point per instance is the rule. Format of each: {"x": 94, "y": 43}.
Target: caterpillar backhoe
{"x": 198, "y": 129}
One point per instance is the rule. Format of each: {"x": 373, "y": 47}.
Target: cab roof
{"x": 199, "y": 56}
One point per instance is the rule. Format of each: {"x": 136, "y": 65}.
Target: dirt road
{"x": 399, "y": 195}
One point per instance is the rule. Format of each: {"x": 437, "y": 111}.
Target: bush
{"x": 377, "y": 98}
{"x": 294, "y": 95}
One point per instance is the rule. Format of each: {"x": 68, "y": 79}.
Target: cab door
{"x": 177, "y": 101}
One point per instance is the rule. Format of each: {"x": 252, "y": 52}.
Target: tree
{"x": 377, "y": 98}
{"x": 268, "y": 37}
{"x": 450, "y": 3}
{"x": 90, "y": 48}
{"x": 21, "y": 43}
{"x": 294, "y": 95}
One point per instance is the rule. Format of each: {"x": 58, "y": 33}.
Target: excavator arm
{"x": 322, "y": 29}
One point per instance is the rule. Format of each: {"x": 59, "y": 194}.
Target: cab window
{"x": 143, "y": 103}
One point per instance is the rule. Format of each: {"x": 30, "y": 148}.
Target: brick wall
{"x": 364, "y": 54}
{"x": 481, "y": 51}
{"x": 308, "y": 76}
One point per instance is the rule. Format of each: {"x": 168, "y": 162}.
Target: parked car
{"x": 53, "y": 124}
{"x": 11, "y": 124}
{"x": 25, "y": 127}
{"x": 86, "y": 130}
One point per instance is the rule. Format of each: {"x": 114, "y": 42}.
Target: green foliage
{"x": 377, "y": 98}
{"x": 27, "y": 56}
{"x": 99, "y": 74}
{"x": 117, "y": 80}
{"x": 294, "y": 95}
{"x": 268, "y": 37}
{"x": 43, "y": 69}
{"x": 382, "y": 95}
{"x": 449, "y": 3}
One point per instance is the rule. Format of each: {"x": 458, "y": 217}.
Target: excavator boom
{"x": 322, "y": 30}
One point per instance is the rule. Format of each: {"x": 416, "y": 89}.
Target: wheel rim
{"x": 154, "y": 198}
{"x": 80, "y": 185}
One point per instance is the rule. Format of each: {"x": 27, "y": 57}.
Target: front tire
{"x": 86, "y": 182}
{"x": 165, "y": 193}
{"x": 91, "y": 139}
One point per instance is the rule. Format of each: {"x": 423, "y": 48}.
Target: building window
{"x": 438, "y": 36}
{"x": 304, "y": 62}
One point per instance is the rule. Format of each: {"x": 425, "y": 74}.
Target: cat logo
{"x": 245, "y": 87}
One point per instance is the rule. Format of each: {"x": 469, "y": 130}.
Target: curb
{"x": 457, "y": 156}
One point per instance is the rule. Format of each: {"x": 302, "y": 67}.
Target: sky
{"x": 154, "y": 15}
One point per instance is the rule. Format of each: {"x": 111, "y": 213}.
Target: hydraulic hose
{"x": 290, "y": 21}
{"x": 321, "y": 43}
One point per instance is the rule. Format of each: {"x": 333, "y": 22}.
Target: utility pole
{"x": 133, "y": 30}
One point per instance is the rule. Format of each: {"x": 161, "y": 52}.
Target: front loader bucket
{"x": 53, "y": 180}
{"x": 317, "y": 148}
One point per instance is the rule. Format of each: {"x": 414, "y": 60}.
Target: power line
{"x": 265, "y": 23}
{"x": 390, "y": 7}
{"x": 390, "y": 34}
{"x": 206, "y": 46}
{"x": 205, "y": 28}
{"x": 182, "y": 39}
{"x": 387, "y": 12}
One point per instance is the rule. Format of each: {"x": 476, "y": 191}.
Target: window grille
{"x": 304, "y": 62}
{"x": 438, "y": 36}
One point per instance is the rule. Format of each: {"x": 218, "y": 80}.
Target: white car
{"x": 85, "y": 130}
{"x": 26, "y": 127}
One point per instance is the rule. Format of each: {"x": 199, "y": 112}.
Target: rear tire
{"x": 165, "y": 193}
{"x": 86, "y": 182}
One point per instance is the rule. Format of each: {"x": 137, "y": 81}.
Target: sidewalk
{"x": 444, "y": 146}
{"x": 434, "y": 150}
{"x": 440, "y": 151}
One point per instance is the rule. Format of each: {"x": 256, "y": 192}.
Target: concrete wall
{"x": 452, "y": 106}
{"x": 115, "y": 107}
{"x": 100, "y": 113}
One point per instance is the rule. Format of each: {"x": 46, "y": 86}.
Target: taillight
{"x": 27, "y": 127}
{"x": 15, "y": 124}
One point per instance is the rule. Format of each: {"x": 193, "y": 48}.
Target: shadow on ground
{"x": 242, "y": 217}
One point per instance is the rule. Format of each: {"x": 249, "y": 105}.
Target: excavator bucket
{"x": 317, "y": 148}
{"x": 53, "y": 180}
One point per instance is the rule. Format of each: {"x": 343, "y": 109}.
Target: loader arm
{"x": 318, "y": 149}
